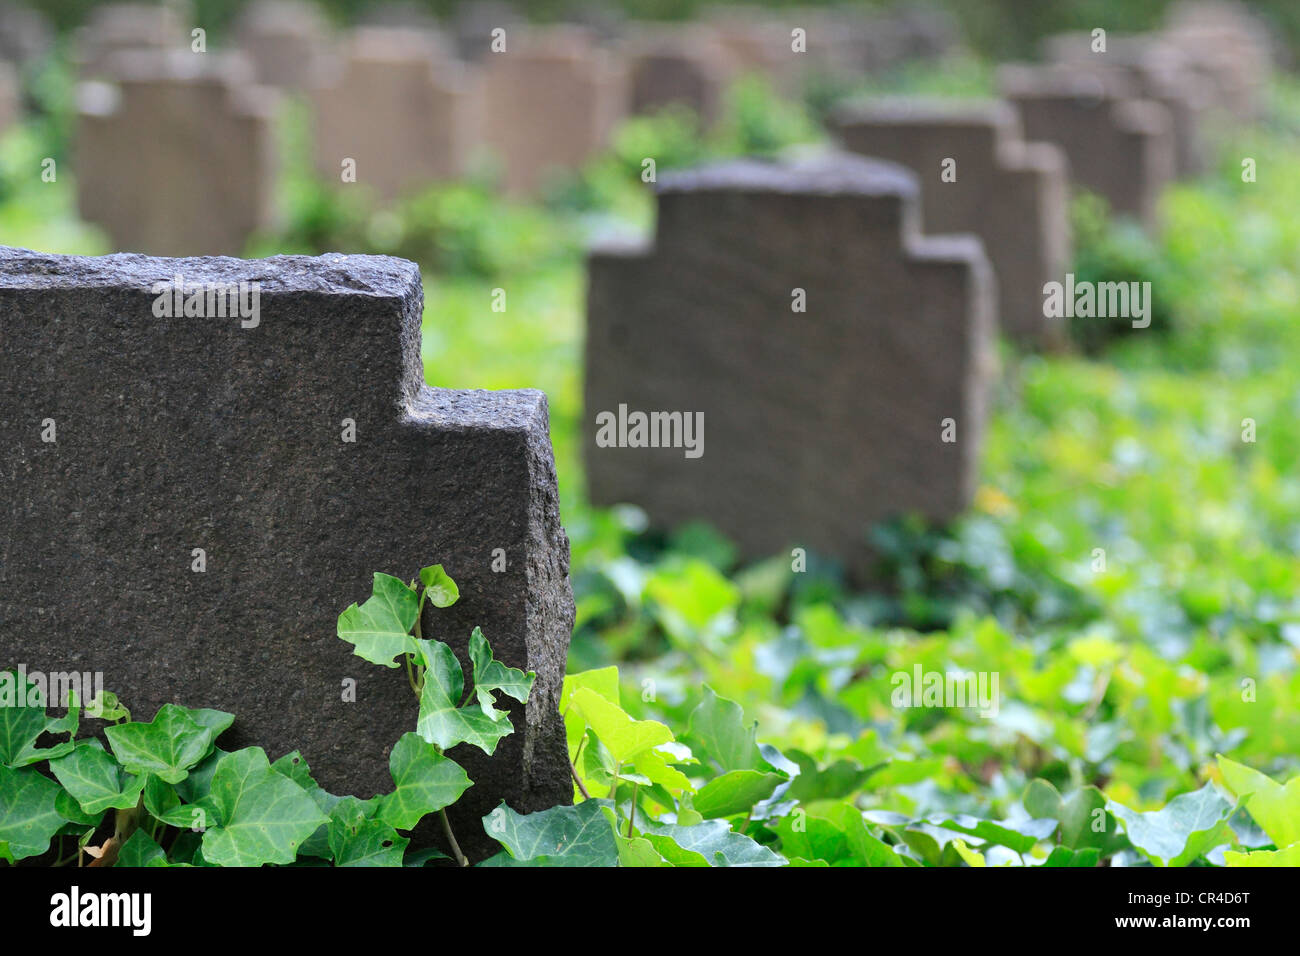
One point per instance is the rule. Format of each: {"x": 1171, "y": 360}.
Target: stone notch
{"x": 182, "y": 433}
{"x": 177, "y": 156}
{"x": 816, "y": 424}
{"x": 1118, "y": 145}
{"x": 1012, "y": 194}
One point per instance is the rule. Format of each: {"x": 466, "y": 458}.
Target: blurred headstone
{"x": 474, "y": 24}
{"x": 121, "y": 27}
{"x": 978, "y": 175}
{"x": 1230, "y": 45}
{"x": 550, "y": 102}
{"x": 676, "y": 65}
{"x": 758, "y": 44}
{"x": 176, "y": 157}
{"x": 288, "y": 42}
{"x": 1118, "y": 146}
{"x": 226, "y": 434}
{"x": 402, "y": 113}
{"x": 789, "y": 359}
{"x": 10, "y": 95}
{"x": 25, "y": 34}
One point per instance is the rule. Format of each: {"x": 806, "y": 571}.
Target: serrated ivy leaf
{"x": 265, "y": 815}
{"x": 491, "y": 675}
{"x": 623, "y": 736}
{"x": 580, "y": 835}
{"x": 424, "y": 782}
{"x": 169, "y": 745}
{"x": 439, "y": 588}
{"x": 21, "y": 726}
{"x": 380, "y": 629}
{"x": 94, "y": 779}
{"x": 1189, "y": 826}
{"x": 713, "y": 842}
{"x": 29, "y": 816}
{"x": 218, "y": 721}
{"x": 735, "y": 792}
{"x": 1274, "y": 806}
{"x": 440, "y": 721}
{"x": 358, "y": 839}
{"x": 717, "y": 729}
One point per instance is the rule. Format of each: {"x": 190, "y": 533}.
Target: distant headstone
{"x": 117, "y": 28}
{"x": 683, "y": 66}
{"x": 25, "y": 34}
{"x": 1155, "y": 71}
{"x": 475, "y": 24}
{"x": 1230, "y": 46}
{"x": 287, "y": 41}
{"x": 10, "y": 96}
{"x": 176, "y": 157}
{"x": 401, "y": 111}
{"x": 1118, "y": 145}
{"x": 790, "y": 360}
{"x": 173, "y": 434}
{"x": 978, "y": 175}
{"x": 759, "y": 44}
{"x": 550, "y": 102}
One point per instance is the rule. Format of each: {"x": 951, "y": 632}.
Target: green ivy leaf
{"x": 29, "y": 817}
{"x": 380, "y": 629}
{"x": 1182, "y": 831}
{"x": 1018, "y": 835}
{"x": 94, "y": 779}
{"x": 20, "y": 726}
{"x": 717, "y": 729}
{"x": 141, "y": 850}
{"x": 623, "y": 736}
{"x": 439, "y": 588}
{"x": 168, "y": 745}
{"x": 265, "y": 815}
{"x": 1274, "y": 806}
{"x": 580, "y": 835}
{"x": 736, "y": 792}
{"x": 711, "y": 843}
{"x": 1287, "y": 856}
{"x": 425, "y": 781}
{"x": 491, "y": 675}
{"x": 440, "y": 721}
{"x": 356, "y": 839}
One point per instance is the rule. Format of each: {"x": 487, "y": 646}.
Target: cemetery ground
{"x": 1126, "y": 580}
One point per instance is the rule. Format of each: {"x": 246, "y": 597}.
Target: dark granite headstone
{"x": 180, "y": 433}
{"x": 818, "y": 422}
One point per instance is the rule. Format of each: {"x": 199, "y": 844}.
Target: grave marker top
{"x": 183, "y": 433}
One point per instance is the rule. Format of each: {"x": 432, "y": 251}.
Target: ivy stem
{"x": 631, "y": 816}
{"x": 451, "y": 838}
{"x": 578, "y": 780}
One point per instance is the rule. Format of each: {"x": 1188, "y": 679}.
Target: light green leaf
{"x": 380, "y": 629}
{"x": 265, "y": 815}
{"x": 1274, "y": 806}
{"x": 167, "y": 746}
{"x": 440, "y": 721}
{"x": 1186, "y": 828}
{"x": 29, "y": 817}
{"x": 623, "y": 736}
{"x": 717, "y": 729}
{"x": 580, "y": 835}
{"x": 736, "y": 792}
{"x": 356, "y": 839}
{"x": 711, "y": 843}
{"x": 440, "y": 589}
{"x": 1287, "y": 856}
{"x": 95, "y": 780}
{"x": 425, "y": 781}
{"x": 491, "y": 675}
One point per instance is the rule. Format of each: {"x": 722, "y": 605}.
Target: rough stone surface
{"x": 550, "y": 102}
{"x": 1118, "y": 145}
{"x": 287, "y": 41}
{"x": 175, "y": 434}
{"x": 1012, "y": 194}
{"x": 206, "y": 180}
{"x": 403, "y": 109}
{"x": 816, "y": 424}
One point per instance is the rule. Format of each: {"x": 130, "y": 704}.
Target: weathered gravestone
{"x": 1156, "y": 72}
{"x": 287, "y": 41}
{"x": 475, "y": 22}
{"x": 677, "y": 66}
{"x": 758, "y": 44}
{"x": 550, "y": 101}
{"x": 978, "y": 175}
{"x": 226, "y": 434}
{"x": 177, "y": 156}
{"x": 1118, "y": 146}
{"x": 25, "y": 34}
{"x": 120, "y": 27}
{"x": 10, "y": 95}
{"x": 1231, "y": 46}
{"x": 401, "y": 111}
{"x": 710, "y": 394}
